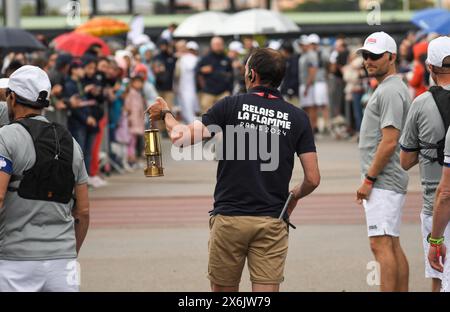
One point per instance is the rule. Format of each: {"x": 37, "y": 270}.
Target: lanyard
{"x": 266, "y": 95}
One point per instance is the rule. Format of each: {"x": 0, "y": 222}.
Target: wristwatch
{"x": 163, "y": 113}
{"x": 371, "y": 179}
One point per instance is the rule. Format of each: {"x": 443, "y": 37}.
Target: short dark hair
{"x": 287, "y": 46}
{"x": 12, "y": 67}
{"x": 446, "y": 61}
{"x": 269, "y": 64}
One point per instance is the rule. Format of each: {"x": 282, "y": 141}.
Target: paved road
{"x": 161, "y": 212}
{"x": 152, "y": 234}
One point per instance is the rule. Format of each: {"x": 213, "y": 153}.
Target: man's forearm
{"x": 408, "y": 159}
{"x": 81, "y": 229}
{"x": 184, "y": 135}
{"x": 441, "y": 213}
{"x": 311, "y": 77}
{"x": 383, "y": 154}
{"x": 306, "y": 188}
{"x": 310, "y": 80}
{"x": 170, "y": 122}
{"x": 308, "y": 185}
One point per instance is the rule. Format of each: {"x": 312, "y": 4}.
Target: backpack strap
{"x": 34, "y": 128}
{"x": 442, "y": 99}
{"x": 432, "y": 159}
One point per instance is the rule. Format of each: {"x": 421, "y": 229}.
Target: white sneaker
{"x": 127, "y": 167}
{"x": 91, "y": 181}
{"x": 100, "y": 182}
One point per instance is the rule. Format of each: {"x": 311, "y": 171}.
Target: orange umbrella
{"x": 103, "y": 26}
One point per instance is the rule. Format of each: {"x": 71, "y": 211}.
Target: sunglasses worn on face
{"x": 372, "y": 56}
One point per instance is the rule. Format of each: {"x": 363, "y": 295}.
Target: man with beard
{"x": 384, "y": 185}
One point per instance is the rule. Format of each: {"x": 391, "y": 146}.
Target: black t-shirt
{"x": 164, "y": 79}
{"x": 341, "y": 60}
{"x": 243, "y": 187}
{"x": 220, "y": 79}
{"x": 289, "y": 86}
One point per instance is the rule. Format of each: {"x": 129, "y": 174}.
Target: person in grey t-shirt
{"x": 321, "y": 96}
{"x": 39, "y": 240}
{"x": 308, "y": 70}
{"x": 424, "y": 126}
{"x": 438, "y": 63}
{"x": 441, "y": 221}
{"x": 383, "y": 189}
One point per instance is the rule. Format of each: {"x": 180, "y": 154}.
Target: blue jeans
{"x": 357, "y": 109}
{"x": 85, "y": 140}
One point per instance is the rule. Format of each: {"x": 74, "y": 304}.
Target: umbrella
{"x": 103, "y": 26}
{"x": 78, "y": 43}
{"x": 257, "y": 22}
{"x": 136, "y": 34}
{"x": 201, "y": 24}
{"x": 18, "y": 40}
{"x": 433, "y": 21}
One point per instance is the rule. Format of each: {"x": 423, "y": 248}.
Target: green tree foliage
{"x": 28, "y": 10}
{"x": 391, "y": 5}
{"x": 328, "y": 6}
{"x": 353, "y": 5}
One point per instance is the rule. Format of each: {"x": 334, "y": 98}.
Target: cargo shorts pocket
{"x": 211, "y": 222}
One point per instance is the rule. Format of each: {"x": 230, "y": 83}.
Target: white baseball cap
{"x": 32, "y": 86}
{"x": 236, "y": 46}
{"x": 274, "y": 44}
{"x": 192, "y": 45}
{"x": 314, "y": 39}
{"x": 379, "y": 43}
{"x": 304, "y": 39}
{"x": 4, "y": 83}
{"x": 438, "y": 50}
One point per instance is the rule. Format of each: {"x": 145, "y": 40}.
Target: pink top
{"x": 134, "y": 104}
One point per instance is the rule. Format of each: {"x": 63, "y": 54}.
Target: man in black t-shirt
{"x": 338, "y": 59}
{"x": 261, "y": 135}
{"x": 215, "y": 74}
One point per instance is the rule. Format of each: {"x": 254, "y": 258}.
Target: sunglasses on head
{"x": 372, "y": 56}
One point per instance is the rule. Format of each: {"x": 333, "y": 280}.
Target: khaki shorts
{"x": 208, "y": 100}
{"x": 262, "y": 240}
{"x": 294, "y": 100}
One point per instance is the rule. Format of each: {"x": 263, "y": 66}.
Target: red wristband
{"x": 438, "y": 249}
{"x": 368, "y": 182}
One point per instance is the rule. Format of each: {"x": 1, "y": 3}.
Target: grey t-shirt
{"x": 424, "y": 124}
{"x": 31, "y": 229}
{"x": 388, "y": 106}
{"x": 4, "y": 119}
{"x": 321, "y": 75}
{"x": 306, "y": 61}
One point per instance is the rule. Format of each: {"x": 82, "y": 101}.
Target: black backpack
{"x": 51, "y": 178}
{"x": 442, "y": 99}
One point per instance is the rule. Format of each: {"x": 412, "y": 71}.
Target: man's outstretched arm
{"x": 179, "y": 133}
